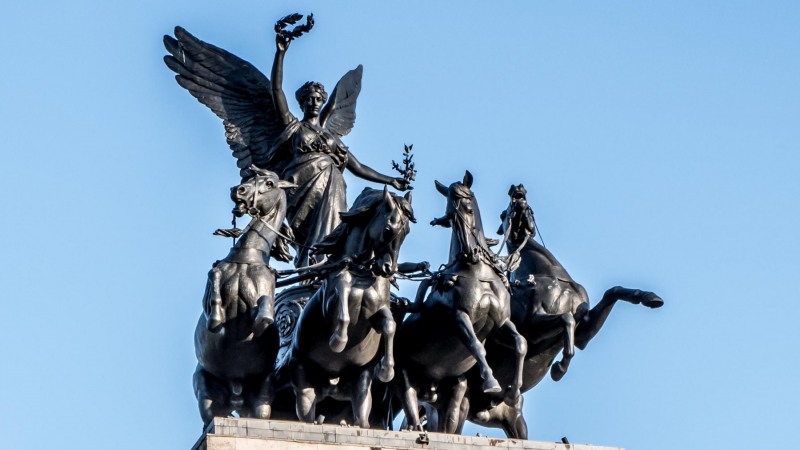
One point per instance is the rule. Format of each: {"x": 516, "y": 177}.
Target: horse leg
{"x": 596, "y": 317}
{"x": 508, "y": 332}
{"x": 467, "y": 335}
{"x": 210, "y": 394}
{"x": 383, "y": 322}
{"x": 338, "y": 340}
{"x": 265, "y": 288}
{"x": 262, "y": 403}
{"x": 410, "y": 404}
{"x": 452, "y": 413}
{"x": 362, "y": 399}
{"x": 558, "y": 369}
{"x": 304, "y": 392}
{"x": 213, "y": 300}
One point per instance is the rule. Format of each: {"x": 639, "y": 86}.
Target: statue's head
{"x": 311, "y": 97}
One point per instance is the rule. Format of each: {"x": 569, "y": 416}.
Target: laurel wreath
{"x": 296, "y": 32}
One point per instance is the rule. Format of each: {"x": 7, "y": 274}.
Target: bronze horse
{"x": 234, "y": 344}
{"x": 336, "y": 343}
{"x": 549, "y": 308}
{"x": 469, "y": 301}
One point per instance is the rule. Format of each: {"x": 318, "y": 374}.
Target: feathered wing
{"x": 235, "y": 91}
{"x": 339, "y": 115}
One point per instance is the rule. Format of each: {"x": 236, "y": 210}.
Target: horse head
{"x": 259, "y": 194}
{"x": 463, "y": 215}
{"x": 372, "y": 230}
{"x": 517, "y": 220}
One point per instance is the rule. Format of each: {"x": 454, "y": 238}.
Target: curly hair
{"x": 307, "y": 88}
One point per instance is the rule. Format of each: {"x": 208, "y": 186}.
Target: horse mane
{"x": 359, "y": 213}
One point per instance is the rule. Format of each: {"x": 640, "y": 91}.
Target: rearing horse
{"x": 549, "y": 308}
{"x": 469, "y": 301}
{"x": 234, "y": 344}
{"x": 338, "y": 335}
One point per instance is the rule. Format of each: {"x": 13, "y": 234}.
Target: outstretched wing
{"x": 339, "y": 115}
{"x": 235, "y": 91}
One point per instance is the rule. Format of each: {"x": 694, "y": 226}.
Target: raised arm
{"x": 367, "y": 173}
{"x": 278, "y": 98}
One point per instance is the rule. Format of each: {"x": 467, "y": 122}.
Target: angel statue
{"x": 261, "y": 130}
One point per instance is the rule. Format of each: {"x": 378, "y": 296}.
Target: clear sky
{"x": 658, "y": 142}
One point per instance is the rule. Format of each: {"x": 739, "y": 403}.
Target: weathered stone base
{"x": 254, "y": 434}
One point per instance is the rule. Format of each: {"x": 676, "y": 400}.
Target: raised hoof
{"x": 215, "y": 320}
{"x": 337, "y": 343}
{"x": 491, "y": 386}
{"x": 557, "y": 372}
{"x": 261, "y": 323}
{"x": 651, "y": 300}
{"x": 386, "y": 374}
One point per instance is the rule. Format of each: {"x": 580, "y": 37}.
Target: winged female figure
{"x": 261, "y": 130}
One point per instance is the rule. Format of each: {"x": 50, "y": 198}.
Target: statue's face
{"x": 312, "y": 104}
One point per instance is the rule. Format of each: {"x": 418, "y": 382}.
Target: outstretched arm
{"x": 278, "y": 98}
{"x": 367, "y": 173}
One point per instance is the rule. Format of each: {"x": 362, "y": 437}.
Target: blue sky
{"x": 658, "y": 142}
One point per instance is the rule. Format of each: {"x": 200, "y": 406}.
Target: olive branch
{"x": 407, "y": 171}
{"x": 296, "y": 32}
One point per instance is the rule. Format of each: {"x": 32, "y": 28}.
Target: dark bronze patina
{"x": 324, "y": 348}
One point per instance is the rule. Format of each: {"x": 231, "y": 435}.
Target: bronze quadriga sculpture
{"x": 490, "y": 329}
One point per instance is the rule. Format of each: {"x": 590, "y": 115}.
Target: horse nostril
{"x": 241, "y": 190}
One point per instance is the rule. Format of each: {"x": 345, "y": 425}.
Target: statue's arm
{"x": 367, "y": 173}
{"x": 278, "y": 98}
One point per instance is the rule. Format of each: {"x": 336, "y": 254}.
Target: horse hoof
{"x": 214, "y": 321}
{"x": 337, "y": 344}
{"x": 491, "y": 386}
{"x": 261, "y": 325}
{"x": 556, "y": 372}
{"x": 651, "y": 300}
{"x": 386, "y": 374}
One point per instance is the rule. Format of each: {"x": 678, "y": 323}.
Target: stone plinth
{"x": 254, "y": 434}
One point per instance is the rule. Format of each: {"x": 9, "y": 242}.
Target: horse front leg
{"x": 264, "y": 282}
{"x": 558, "y": 369}
{"x": 212, "y": 300}
{"x": 593, "y": 321}
{"x": 467, "y": 335}
{"x": 383, "y": 322}
{"x": 342, "y": 289}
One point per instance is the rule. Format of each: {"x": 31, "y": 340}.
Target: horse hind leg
{"x": 593, "y": 321}
{"x": 559, "y": 369}
{"x": 306, "y": 396}
{"x": 211, "y": 396}
{"x": 362, "y": 399}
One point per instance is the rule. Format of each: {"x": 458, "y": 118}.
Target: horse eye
{"x": 270, "y": 184}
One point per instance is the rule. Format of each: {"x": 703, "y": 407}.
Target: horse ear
{"x": 511, "y": 190}
{"x": 441, "y": 188}
{"x": 387, "y": 196}
{"x": 467, "y": 179}
{"x": 408, "y": 196}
